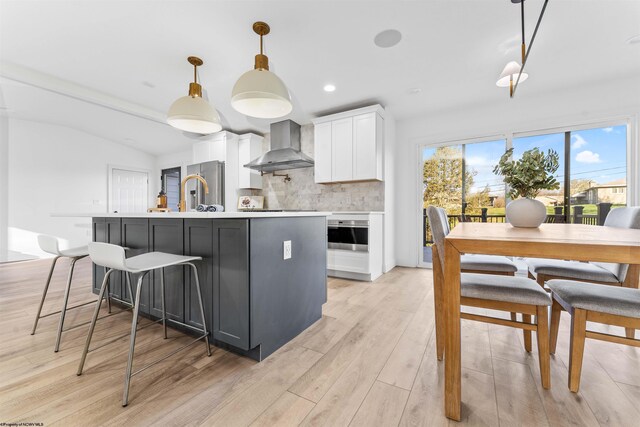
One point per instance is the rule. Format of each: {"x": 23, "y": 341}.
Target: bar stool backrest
{"x": 625, "y": 217}
{"x": 107, "y": 255}
{"x": 49, "y": 244}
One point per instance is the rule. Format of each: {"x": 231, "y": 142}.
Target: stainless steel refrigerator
{"x": 213, "y": 173}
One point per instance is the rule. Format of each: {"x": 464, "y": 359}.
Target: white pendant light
{"x": 260, "y": 93}
{"x": 191, "y": 113}
{"x": 510, "y": 75}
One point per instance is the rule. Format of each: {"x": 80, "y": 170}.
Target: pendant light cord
{"x": 524, "y": 61}
{"x": 524, "y": 46}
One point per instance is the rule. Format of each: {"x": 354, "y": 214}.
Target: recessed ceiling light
{"x": 148, "y": 84}
{"x": 387, "y": 38}
{"x": 329, "y": 87}
{"x": 414, "y": 91}
{"x": 634, "y": 40}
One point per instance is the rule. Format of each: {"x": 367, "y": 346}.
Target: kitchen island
{"x": 255, "y": 301}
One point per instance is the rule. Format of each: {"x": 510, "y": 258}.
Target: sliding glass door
{"x": 460, "y": 179}
{"x": 592, "y": 175}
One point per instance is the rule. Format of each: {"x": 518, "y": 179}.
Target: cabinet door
{"x": 342, "y": 149}
{"x": 198, "y": 241}
{"x": 201, "y": 152}
{"x": 107, "y": 230}
{"x": 135, "y": 236}
{"x": 365, "y": 164}
{"x": 166, "y": 235}
{"x": 249, "y": 148}
{"x": 322, "y": 151}
{"x": 231, "y": 282}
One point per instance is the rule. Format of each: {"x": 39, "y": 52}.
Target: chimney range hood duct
{"x": 285, "y": 150}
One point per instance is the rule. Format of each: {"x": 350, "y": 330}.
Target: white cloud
{"x": 607, "y": 130}
{"x": 588, "y": 157}
{"x": 479, "y": 161}
{"x": 578, "y": 141}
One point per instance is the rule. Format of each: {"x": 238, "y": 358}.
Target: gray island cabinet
{"x": 255, "y": 301}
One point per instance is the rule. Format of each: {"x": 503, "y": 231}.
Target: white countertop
{"x": 357, "y": 213}
{"x": 221, "y": 215}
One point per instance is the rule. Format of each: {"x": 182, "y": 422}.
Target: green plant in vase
{"x": 525, "y": 178}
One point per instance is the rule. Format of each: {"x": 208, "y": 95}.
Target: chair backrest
{"x": 627, "y": 217}
{"x": 439, "y": 223}
{"x": 49, "y": 244}
{"x": 107, "y": 255}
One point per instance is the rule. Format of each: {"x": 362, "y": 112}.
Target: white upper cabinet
{"x": 349, "y": 146}
{"x": 214, "y": 147}
{"x": 249, "y": 148}
{"x": 322, "y": 149}
{"x": 342, "y": 149}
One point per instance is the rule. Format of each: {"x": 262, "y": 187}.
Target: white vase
{"x": 527, "y": 213}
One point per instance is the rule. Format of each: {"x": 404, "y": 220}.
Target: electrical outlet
{"x": 287, "y": 250}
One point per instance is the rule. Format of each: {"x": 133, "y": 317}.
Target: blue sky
{"x": 597, "y": 154}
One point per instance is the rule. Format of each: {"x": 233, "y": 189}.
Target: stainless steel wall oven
{"x": 352, "y": 235}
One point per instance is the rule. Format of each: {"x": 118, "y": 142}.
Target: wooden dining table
{"x": 578, "y": 242}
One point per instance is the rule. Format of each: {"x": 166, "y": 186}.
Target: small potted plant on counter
{"x": 525, "y": 178}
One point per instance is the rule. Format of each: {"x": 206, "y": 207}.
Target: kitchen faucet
{"x": 183, "y": 202}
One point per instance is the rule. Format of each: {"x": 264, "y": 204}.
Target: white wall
{"x": 526, "y": 112}
{"x": 4, "y": 183}
{"x": 390, "y": 144}
{"x": 57, "y": 169}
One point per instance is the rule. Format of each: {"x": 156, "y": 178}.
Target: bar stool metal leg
{"x": 162, "y": 296}
{"x": 93, "y": 321}
{"x": 128, "y": 278}
{"x": 44, "y": 294}
{"x": 132, "y": 344}
{"x": 108, "y": 295}
{"x": 64, "y": 304}
{"x": 204, "y": 322}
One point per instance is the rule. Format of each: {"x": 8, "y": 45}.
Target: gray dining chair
{"x": 588, "y": 302}
{"x": 494, "y": 292}
{"x": 543, "y": 270}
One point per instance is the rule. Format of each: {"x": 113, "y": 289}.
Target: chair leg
{"x": 132, "y": 342}
{"x": 630, "y": 332}
{"x": 44, "y": 294}
{"x": 204, "y": 323}
{"x": 437, "y": 304}
{"x": 543, "y": 345}
{"x": 103, "y": 288}
{"x": 578, "y": 332}
{"x": 64, "y": 305}
{"x": 514, "y": 317}
{"x": 162, "y": 297}
{"x": 556, "y": 310}
{"x": 526, "y": 318}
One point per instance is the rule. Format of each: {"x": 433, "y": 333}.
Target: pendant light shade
{"x": 260, "y": 93}
{"x": 191, "y": 113}
{"x": 510, "y": 75}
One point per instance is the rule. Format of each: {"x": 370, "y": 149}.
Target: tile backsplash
{"x": 303, "y": 193}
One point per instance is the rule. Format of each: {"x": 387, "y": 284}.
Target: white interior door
{"x": 129, "y": 191}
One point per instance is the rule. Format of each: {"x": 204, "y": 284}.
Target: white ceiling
{"x": 451, "y": 50}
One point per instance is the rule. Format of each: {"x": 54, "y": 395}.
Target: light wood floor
{"x": 370, "y": 361}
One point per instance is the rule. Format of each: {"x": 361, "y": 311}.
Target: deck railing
{"x": 576, "y": 217}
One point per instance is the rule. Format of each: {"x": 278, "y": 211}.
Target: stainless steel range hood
{"x": 285, "y": 150}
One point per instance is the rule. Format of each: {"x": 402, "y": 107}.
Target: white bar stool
{"x": 113, "y": 258}
{"x": 51, "y": 245}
